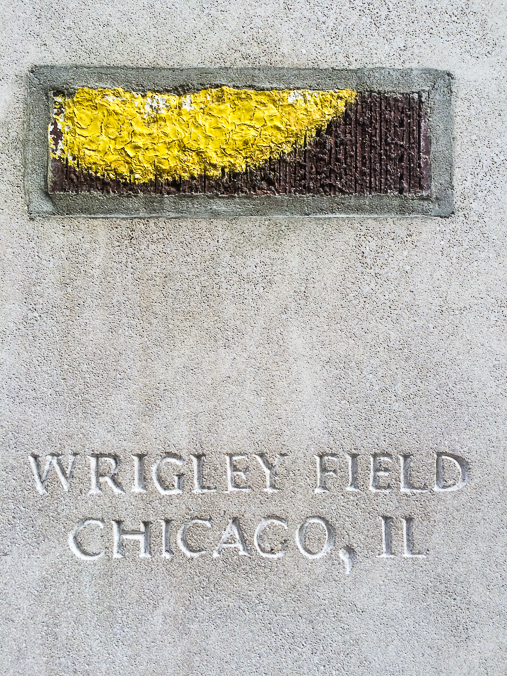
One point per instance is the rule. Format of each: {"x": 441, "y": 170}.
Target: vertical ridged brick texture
{"x": 380, "y": 145}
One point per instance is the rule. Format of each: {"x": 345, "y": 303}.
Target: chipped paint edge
{"x": 44, "y": 79}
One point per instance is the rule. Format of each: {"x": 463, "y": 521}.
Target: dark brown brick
{"x": 381, "y": 144}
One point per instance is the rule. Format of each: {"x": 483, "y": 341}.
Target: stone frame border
{"x": 44, "y": 79}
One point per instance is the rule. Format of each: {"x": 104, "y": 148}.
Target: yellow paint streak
{"x": 119, "y": 134}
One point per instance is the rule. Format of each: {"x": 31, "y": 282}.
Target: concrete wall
{"x": 255, "y": 335}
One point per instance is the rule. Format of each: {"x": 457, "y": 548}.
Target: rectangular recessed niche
{"x": 228, "y": 142}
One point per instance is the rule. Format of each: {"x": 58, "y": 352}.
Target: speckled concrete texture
{"x": 249, "y": 336}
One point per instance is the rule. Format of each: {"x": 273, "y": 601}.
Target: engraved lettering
{"x": 97, "y": 478}
{"x": 408, "y": 539}
{"x": 142, "y": 536}
{"x": 377, "y": 471}
{"x": 301, "y": 537}
{"x": 139, "y": 480}
{"x": 233, "y": 530}
{"x": 198, "y": 461}
{"x": 353, "y": 471}
{"x": 270, "y": 470}
{"x": 406, "y": 483}
{"x": 233, "y": 472}
{"x": 323, "y": 471}
{"x": 167, "y": 552}
{"x": 178, "y": 478}
{"x": 387, "y": 537}
{"x": 279, "y": 550}
{"x": 76, "y": 548}
{"x": 460, "y": 463}
{"x": 347, "y": 555}
{"x": 182, "y": 542}
{"x": 315, "y": 536}
{"x": 52, "y": 460}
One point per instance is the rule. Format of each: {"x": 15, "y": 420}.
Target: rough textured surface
{"x": 432, "y": 115}
{"x": 114, "y": 133}
{"x": 379, "y": 145}
{"x": 251, "y": 335}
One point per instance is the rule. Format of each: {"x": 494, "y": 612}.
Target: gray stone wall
{"x": 300, "y": 337}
